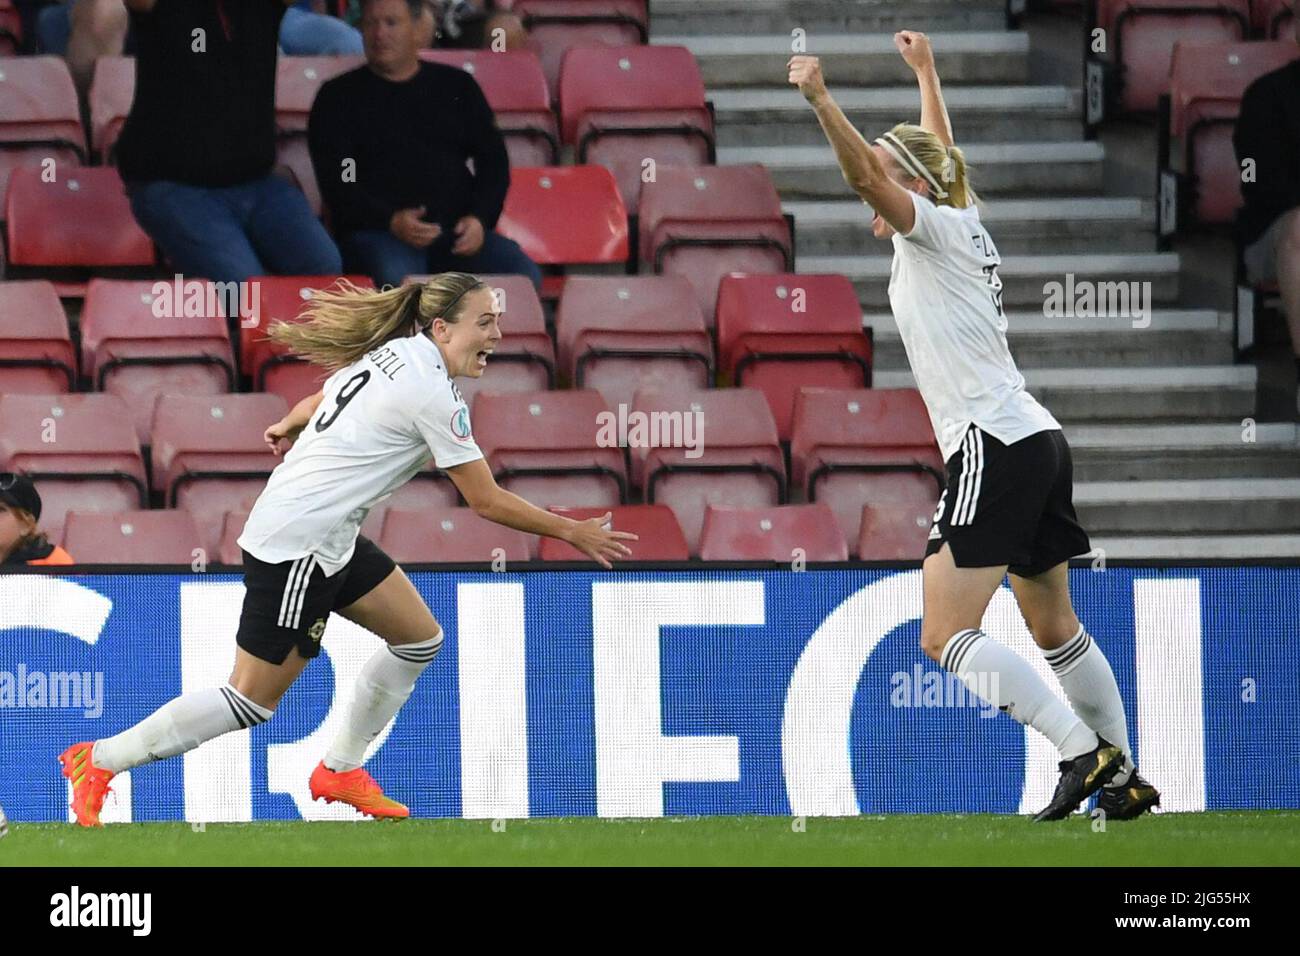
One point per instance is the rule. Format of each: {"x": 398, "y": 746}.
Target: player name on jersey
{"x": 387, "y": 361}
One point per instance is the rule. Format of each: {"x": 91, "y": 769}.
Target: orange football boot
{"x": 355, "y": 788}
{"x": 89, "y": 783}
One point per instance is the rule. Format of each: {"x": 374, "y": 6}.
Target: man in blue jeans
{"x": 198, "y": 147}
{"x": 390, "y": 142}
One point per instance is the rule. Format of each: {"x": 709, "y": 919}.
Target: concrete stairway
{"x": 1168, "y": 460}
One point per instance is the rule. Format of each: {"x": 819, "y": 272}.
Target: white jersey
{"x": 383, "y": 417}
{"x": 947, "y": 300}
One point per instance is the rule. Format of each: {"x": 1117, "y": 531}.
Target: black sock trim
{"x": 955, "y": 652}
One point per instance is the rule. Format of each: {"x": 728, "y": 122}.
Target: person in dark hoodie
{"x": 20, "y": 512}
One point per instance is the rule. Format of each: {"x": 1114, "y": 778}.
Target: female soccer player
{"x": 1008, "y": 502}
{"x": 388, "y": 405}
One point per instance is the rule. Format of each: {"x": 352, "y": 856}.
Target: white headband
{"x": 903, "y": 156}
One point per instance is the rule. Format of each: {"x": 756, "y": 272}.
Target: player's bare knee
{"x": 933, "y": 641}
{"x": 1053, "y": 632}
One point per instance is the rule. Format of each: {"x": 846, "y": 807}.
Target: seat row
{"x": 685, "y": 449}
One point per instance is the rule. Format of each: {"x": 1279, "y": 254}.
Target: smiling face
{"x": 466, "y": 343}
{"x": 15, "y": 524}
{"x": 879, "y": 227}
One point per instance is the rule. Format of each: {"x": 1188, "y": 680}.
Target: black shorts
{"x": 1009, "y": 504}
{"x": 287, "y": 604}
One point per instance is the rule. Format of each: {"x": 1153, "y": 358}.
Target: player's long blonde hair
{"x": 945, "y": 164}
{"x": 345, "y": 322}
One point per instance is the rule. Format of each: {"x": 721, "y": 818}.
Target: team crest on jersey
{"x": 460, "y": 424}
{"x": 316, "y": 630}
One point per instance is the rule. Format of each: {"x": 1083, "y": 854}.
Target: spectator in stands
{"x": 20, "y": 510}
{"x": 1268, "y": 226}
{"x": 474, "y": 25}
{"x": 198, "y": 147}
{"x": 84, "y": 30}
{"x": 389, "y": 142}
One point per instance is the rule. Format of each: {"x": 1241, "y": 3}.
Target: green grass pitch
{"x": 1230, "y": 838}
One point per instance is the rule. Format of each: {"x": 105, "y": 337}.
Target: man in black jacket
{"x": 389, "y": 142}
{"x": 1268, "y": 226}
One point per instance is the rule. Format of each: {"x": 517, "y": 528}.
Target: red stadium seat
{"x": 133, "y": 537}
{"x": 779, "y": 333}
{"x": 232, "y": 526}
{"x": 896, "y": 526}
{"x": 80, "y": 450}
{"x": 128, "y": 350}
{"x": 704, "y": 222}
{"x": 81, "y": 220}
{"x": 39, "y": 115}
{"x": 297, "y": 80}
{"x": 273, "y": 368}
{"x": 524, "y": 360}
{"x": 566, "y": 215}
{"x": 622, "y": 105}
{"x": 620, "y": 334}
{"x": 1144, "y": 33}
{"x": 659, "y": 536}
{"x": 111, "y": 93}
{"x": 36, "y": 354}
{"x": 867, "y": 446}
{"x": 730, "y": 456}
{"x": 1205, "y": 97}
{"x": 1273, "y": 19}
{"x": 781, "y": 534}
{"x": 556, "y": 25}
{"x": 11, "y": 29}
{"x": 450, "y": 535}
{"x": 515, "y": 87}
{"x": 208, "y": 454}
{"x": 546, "y": 447}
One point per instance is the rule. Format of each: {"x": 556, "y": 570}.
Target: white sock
{"x": 383, "y": 687}
{"x": 1090, "y": 685}
{"x": 179, "y": 725}
{"x": 990, "y": 670}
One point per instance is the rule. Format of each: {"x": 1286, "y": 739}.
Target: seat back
{"x": 792, "y": 532}
{"x": 564, "y": 215}
{"x": 133, "y": 537}
{"x": 81, "y": 219}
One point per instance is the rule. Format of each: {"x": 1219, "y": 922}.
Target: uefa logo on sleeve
{"x": 460, "y": 424}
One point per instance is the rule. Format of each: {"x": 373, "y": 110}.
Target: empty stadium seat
{"x": 129, "y": 350}
{"x": 896, "y": 528}
{"x": 1273, "y": 19}
{"x": 515, "y": 87}
{"x": 659, "y": 535}
{"x": 546, "y": 447}
{"x": 779, "y": 333}
{"x": 556, "y": 25}
{"x": 1206, "y": 88}
{"x": 1144, "y": 32}
{"x": 624, "y": 333}
{"x": 297, "y": 80}
{"x": 620, "y": 106}
{"x": 81, "y": 220}
{"x": 111, "y": 92}
{"x": 704, "y": 222}
{"x": 565, "y": 215}
{"x": 854, "y": 447}
{"x": 39, "y": 116}
{"x": 81, "y": 452}
{"x": 806, "y": 532}
{"x": 273, "y": 368}
{"x": 450, "y": 535}
{"x": 232, "y": 526}
{"x": 524, "y": 360}
{"x": 729, "y": 456}
{"x": 209, "y": 456}
{"x": 36, "y": 354}
{"x": 133, "y": 537}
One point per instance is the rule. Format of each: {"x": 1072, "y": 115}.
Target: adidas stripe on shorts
{"x": 1009, "y": 504}
{"x": 286, "y": 605}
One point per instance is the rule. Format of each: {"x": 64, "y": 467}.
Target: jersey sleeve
{"x": 443, "y": 423}
{"x": 932, "y": 229}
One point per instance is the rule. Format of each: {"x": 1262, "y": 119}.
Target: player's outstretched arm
{"x": 291, "y": 425}
{"x": 861, "y": 168}
{"x": 489, "y": 500}
{"x": 916, "y": 52}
